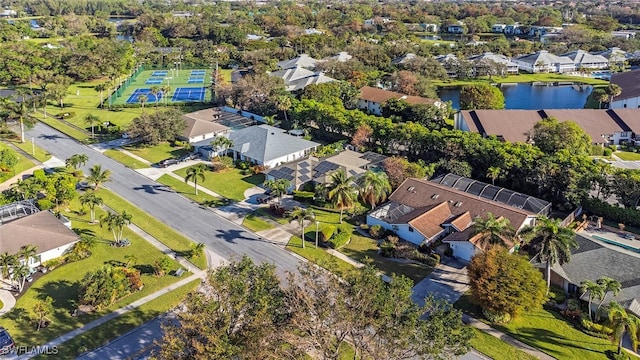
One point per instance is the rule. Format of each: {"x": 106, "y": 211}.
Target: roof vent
{"x": 411, "y": 188}
{"x": 458, "y": 204}
{"x": 435, "y": 196}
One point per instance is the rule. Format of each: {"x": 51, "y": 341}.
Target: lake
{"x": 532, "y": 96}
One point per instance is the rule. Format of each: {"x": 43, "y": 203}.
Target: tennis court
{"x": 184, "y": 86}
{"x": 135, "y": 97}
{"x": 189, "y": 94}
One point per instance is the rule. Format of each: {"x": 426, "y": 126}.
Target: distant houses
{"x": 372, "y": 99}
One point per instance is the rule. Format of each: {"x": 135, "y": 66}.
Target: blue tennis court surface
{"x": 154, "y": 81}
{"x": 197, "y": 72}
{"x": 134, "y": 98}
{"x": 160, "y": 73}
{"x": 189, "y": 94}
{"x": 195, "y": 80}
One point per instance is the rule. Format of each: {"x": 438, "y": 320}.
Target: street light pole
{"x": 317, "y": 223}
{"x": 33, "y": 146}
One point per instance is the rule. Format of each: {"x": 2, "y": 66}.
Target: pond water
{"x": 532, "y": 96}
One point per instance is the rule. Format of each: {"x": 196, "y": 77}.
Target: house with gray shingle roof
{"x": 583, "y": 59}
{"x": 269, "y": 146}
{"x": 544, "y": 61}
{"x": 510, "y": 66}
{"x": 297, "y": 78}
{"x": 303, "y": 61}
{"x": 593, "y": 260}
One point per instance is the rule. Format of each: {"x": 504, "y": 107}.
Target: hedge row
{"x": 612, "y": 212}
{"x": 340, "y": 239}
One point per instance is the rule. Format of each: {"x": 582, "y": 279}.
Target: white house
{"x": 629, "y": 81}
{"x": 371, "y": 99}
{"x": 543, "y": 61}
{"x": 456, "y": 29}
{"x": 269, "y": 146}
{"x": 509, "y": 66}
{"x": 51, "y": 236}
{"x": 513, "y": 29}
{"x": 583, "y": 59}
{"x": 422, "y": 211}
{"x": 203, "y": 124}
{"x": 498, "y": 28}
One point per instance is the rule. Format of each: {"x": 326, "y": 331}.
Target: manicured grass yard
{"x": 319, "y": 256}
{"x": 523, "y": 78}
{"x": 627, "y": 156}
{"x": 497, "y": 349}
{"x": 62, "y": 284}
{"x": 154, "y": 227}
{"x": 187, "y": 190}
{"x": 255, "y": 223}
{"x": 23, "y": 164}
{"x": 27, "y": 147}
{"x": 125, "y": 159}
{"x": 158, "y": 152}
{"x": 102, "y": 334}
{"x": 229, "y": 183}
{"x": 360, "y": 248}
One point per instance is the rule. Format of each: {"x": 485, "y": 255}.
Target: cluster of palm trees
{"x": 156, "y": 91}
{"x": 15, "y": 267}
{"x": 598, "y": 290}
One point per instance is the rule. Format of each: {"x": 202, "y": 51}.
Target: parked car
{"x": 188, "y": 157}
{"x": 6, "y": 342}
{"x": 628, "y": 236}
{"x": 166, "y": 162}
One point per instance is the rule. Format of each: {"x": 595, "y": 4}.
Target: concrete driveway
{"x": 448, "y": 282}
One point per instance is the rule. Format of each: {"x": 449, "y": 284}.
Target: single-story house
{"x": 544, "y": 61}
{"x": 605, "y": 127}
{"x": 513, "y": 29}
{"x": 297, "y": 78}
{"x": 422, "y": 211}
{"x": 404, "y": 59}
{"x": 583, "y": 59}
{"x": 498, "y": 28}
{"x": 629, "y": 81}
{"x": 269, "y": 146}
{"x": 203, "y": 124}
{"x": 510, "y": 66}
{"x": 318, "y": 171}
{"x": 342, "y": 56}
{"x": 26, "y": 225}
{"x": 593, "y": 260}
{"x": 303, "y": 61}
{"x": 371, "y": 99}
{"x": 614, "y": 55}
{"x": 456, "y": 29}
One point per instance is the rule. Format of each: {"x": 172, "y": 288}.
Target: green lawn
{"x": 522, "y": 78}
{"x": 157, "y": 153}
{"x": 102, "y": 334}
{"x": 230, "y": 183}
{"x": 125, "y": 159}
{"x": 62, "y": 283}
{"x": 27, "y": 147}
{"x": 23, "y": 164}
{"x": 319, "y": 256}
{"x": 548, "y": 332}
{"x": 163, "y": 233}
{"x": 497, "y": 349}
{"x": 187, "y": 190}
{"x": 256, "y": 223}
{"x": 627, "y": 156}
{"x": 360, "y": 248}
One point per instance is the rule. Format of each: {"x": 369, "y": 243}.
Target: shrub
{"x": 53, "y": 263}
{"x": 376, "y": 231}
{"x": 557, "y": 295}
{"x": 596, "y": 150}
{"x": 607, "y": 152}
{"x": 496, "y": 317}
{"x": 304, "y": 196}
{"x": 326, "y": 232}
{"x": 39, "y": 174}
{"x": 45, "y": 204}
{"x": 364, "y": 226}
{"x": 257, "y": 169}
{"x": 340, "y": 239}
{"x": 308, "y": 186}
{"x": 388, "y": 249}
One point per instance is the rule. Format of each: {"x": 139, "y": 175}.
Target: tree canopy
{"x": 154, "y": 128}
{"x": 481, "y": 96}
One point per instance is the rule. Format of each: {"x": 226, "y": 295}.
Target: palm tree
{"x": 613, "y": 90}
{"x": 553, "y": 240}
{"x": 91, "y": 200}
{"x": 142, "y": 99}
{"x": 595, "y": 292}
{"x": 7, "y": 262}
{"x": 608, "y": 285}
{"x": 19, "y": 111}
{"x": 165, "y": 93}
{"x": 92, "y": 120}
{"x": 374, "y": 187}
{"x": 155, "y": 91}
{"x": 82, "y": 249}
{"x": 76, "y": 160}
{"x": 600, "y": 95}
{"x": 278, "y": 187}
{"x": 97, "y": 176}
{"x": 116, "y": 223}
{"x": 493, "y": 173}
{"x": 492, "y": 230}
{"x": 221, "y": 144}
{"x": 43, "y": 309}
{"x": 101, "y": 88}
{"x": 194, "y": 173}
{"x": 27, "y": 252}
{"x": 29, "y": 188}
{"x": 198, "y": 249}
{"x": 621, "y": 322}
{"x": 301, "y": 214}
{"x": 283, "y": 103}
{"x": 341, "y": 192}
{"x": 19, "y": 274}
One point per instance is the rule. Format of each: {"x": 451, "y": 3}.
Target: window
{"x": 410, "y": 229}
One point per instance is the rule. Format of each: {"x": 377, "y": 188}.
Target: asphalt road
{"x": 221, "y": 236}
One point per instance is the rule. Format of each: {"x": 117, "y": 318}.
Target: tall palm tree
{"x": 7, "y": 262}
{"x": 301, "y": 214}
{"x": 142, "y": 99}
{"x": 492, "y": 230}
{"x": 165, "y": 93}
{"x": 19, "y": 274}
{"x": 19, "y": 111}
{"x": 621, "y": 322}
{"x": 92, "y": 120}
{"x": 97, "y": 176}
{"x": 116, "y": 223}
{"x": 608, "y": 285}
{"x": 553, "y": 241}
{"x": 101, "y": 88}
{"x": 613, "y": 90}
{"x": 600, "y": 96}
{"x": 341, "y": 193}
{"x": 283, "y": 103}
{"x": 91, "y": 200}
{"x": 595, "y": 292}
{"x": 374, "y": 187}
{"x": 27, "y": 252}
{"x": 194, "y": 173}
{"x": 221, "y": 144}
{"x": 493, "y": 173}
{"x": 155, "y": 91}
{"x": 278, "y": 187}
{"x": 76, "y": 160}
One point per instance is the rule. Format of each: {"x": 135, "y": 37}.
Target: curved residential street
{"x": 222, "y": 237}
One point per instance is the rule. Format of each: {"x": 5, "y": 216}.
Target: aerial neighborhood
{"x": 190, "y": 179}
